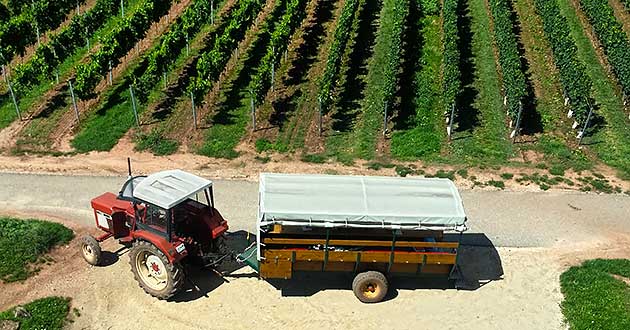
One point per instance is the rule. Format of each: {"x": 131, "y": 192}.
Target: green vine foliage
{"x": 50, "y": 55}
{"x": 612, "y": 37}
{"x": 575, "y": 82}
{"x": 212, "y": 63}
{"x": 452, "y": 75}
{"x": 20, "y": 30}
{"x": 280, "y": 36}
{"x": 171, "y": 46}
{"x": 116, "y": 44}
{"x": 509, "y": 58}
{"x": 333, "y": 64}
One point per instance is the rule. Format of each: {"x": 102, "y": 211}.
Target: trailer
{"x": 373, "y": 227}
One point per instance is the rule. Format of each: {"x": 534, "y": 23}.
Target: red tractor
{"x": 166, "y": 219}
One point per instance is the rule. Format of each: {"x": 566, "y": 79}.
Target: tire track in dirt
{"x": 67, "y": 125}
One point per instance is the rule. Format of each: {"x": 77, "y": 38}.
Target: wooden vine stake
{"x": 133, "y": 105}
{"x": 212, "y": 12}
{"x": 74, "y": 100}
{"x": 4, "y": 74}
{"x": 194, "y": 110}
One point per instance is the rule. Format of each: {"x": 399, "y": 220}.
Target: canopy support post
{"x": 326, "y": 249}
{"x": 391, "y": 254}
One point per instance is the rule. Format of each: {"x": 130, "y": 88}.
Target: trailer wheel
{"x": 370, "y": 286}
{"x": 91, "y": 250}
{"x": 154, "y": 273}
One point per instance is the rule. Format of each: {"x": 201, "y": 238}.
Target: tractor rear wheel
{"x": 154, "y": 273}
{"x": 91, "y": 250}
{"x": 370, "y": 286}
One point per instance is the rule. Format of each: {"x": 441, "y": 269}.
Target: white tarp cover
{"x": 360, "y": 201}
{"x": 169, "y": 188}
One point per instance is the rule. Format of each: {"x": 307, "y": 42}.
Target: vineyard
{"x": 444, "y": 81}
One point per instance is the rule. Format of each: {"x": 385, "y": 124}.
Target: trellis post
{"x": 385, "y": 118}
{"x": 122, "y": 8}
{"x": 17, "y": 109}
{"x": 74, "y": 100}
{"x": 194, "y": 110}
{"x": 449, "y": 129}
{"x": 518, "y": 122}
{"x": 253, "y": 109}
{"x": 133, "y": 105}
{"x": 588, "y": 121}
{"x": 212, "y": 12}
{"x": 319, "y": 105}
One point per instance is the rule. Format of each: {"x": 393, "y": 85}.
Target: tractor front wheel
{"x": 91, "y": 250}
{"x": 155, "y": 274}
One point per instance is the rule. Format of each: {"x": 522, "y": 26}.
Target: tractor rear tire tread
{"x": 374, "y": 277}
{"x": 175, "y": 271}
{"x": 90, "y": 242}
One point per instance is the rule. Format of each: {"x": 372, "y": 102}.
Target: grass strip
{"x": 48, "y": 313}
{"x": 22, "y": 243}
{"x": 594, "y": 298}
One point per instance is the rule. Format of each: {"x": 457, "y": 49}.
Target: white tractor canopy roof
{"x": 360, "y": 202}
{"x": 166, "y": 189}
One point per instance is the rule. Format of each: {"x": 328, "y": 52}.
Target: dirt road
{"x": 518, "y": 245}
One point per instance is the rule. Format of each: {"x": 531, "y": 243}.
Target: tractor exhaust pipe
{"x": 129, "y": 166}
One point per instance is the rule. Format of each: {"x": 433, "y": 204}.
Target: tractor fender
{"x": 170, "y": 249}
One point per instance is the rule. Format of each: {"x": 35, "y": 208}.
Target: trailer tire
{"x": 153, "y": 272}
{"x": 370, "y": 286}
{"x": 91, "y": 250}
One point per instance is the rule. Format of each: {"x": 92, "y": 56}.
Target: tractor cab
{"x": 166, "y": 218}
{"x": 175, "y": 205}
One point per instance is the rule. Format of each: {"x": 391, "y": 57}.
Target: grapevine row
{"x": 20, "y": 30}
{"x": 392, "y": 64}
{"x": 452, "y": 75}
{"x": 171, "y": 45}
{"x": 212, "y": 63}
{"x": 50, "y": 55}
{"x": 612, "y": 37}
{"x": 117, "y": 43}
{"x": 291, "y": 19}
{"x": 509, "y": 58}
{"x": 342, "y": 33}
{"x": 575, "y": 82}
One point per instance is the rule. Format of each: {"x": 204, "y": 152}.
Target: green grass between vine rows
{"x": 610, "y": 140}
{"x": 593, "y": 298}
{"x": 425, "y": 139}
{"x": 22, "y": 244}
{"x": 488, "y": 141}
{"x": 47, "y": 313}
